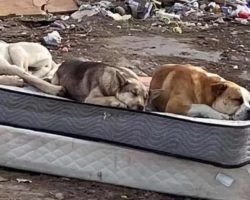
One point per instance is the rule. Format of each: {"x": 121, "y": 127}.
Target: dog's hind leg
{"x": 11, "y": 81}
{"x": 19, "y": 57}
{"x": 7, "y": 69}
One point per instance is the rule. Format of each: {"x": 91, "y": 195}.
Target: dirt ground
{"x": 141, "y": 46}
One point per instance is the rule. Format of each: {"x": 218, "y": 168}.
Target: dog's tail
{"x": 35, "y": 81}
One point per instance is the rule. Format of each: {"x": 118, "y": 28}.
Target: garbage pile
{"x": 184, "y": 10}
{"x": 227, "y": 9}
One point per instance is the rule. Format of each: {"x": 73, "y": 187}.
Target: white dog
{"x": 29, "y": 61}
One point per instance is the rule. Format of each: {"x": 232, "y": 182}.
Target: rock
{"x": 59, "y": 196}
{"x": 234, "y": 32}
{"x": 212, "y": 39}
{"x": 124, "y": 197}
{"x": 234, "y": 58}
{"x": 3, "y": 179}
{"x": 65, "y": 49}
{"x": 220, "y": 20}
{"x": 235, "y": 67}
{"x": 78, "y": 15}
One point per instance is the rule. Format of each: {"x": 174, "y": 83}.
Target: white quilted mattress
{"x": 65, "y": 156}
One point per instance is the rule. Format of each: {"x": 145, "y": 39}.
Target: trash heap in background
{"x": 184, "y": 10}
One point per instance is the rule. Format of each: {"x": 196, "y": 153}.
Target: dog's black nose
{"x": 140, "y": 107}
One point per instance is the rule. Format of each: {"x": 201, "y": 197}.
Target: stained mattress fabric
{"x": 77, "y": 158}
{"x": 226, "y": 144}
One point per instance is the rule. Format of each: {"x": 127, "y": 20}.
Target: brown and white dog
{"x": 98, "y": 83}
{"x": 192, "y": 91}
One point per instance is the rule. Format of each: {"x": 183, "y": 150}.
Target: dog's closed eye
{"x": 240, "y": 100}
{"x": 135, "y": 93}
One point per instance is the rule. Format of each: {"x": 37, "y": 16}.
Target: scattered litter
{"x": 177, "y": 29}
{"x": 117, "y": 17}
{"x": 64, "y": 17}
{"x": 88, "y": 10}
{"x": 224, "y": 179}
{"x": 22, "y": 180}
{"x": 52, "y": 39}
{"x": 235, "y": 67}
{"x": 164, "y": 15}
{"x": 140, "y": 9}
{"x": 60, "y": 24}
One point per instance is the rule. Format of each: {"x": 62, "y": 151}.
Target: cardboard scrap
{"x": 35, "y": 7}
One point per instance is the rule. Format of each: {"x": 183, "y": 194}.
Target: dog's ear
{"x": 218, "y": 88}
{"x": 154, "y": 93}
{"x": 122, "y": 80}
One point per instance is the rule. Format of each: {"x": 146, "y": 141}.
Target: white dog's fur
{"x": 29, "y": 62}
{"x": 29, "y": 56}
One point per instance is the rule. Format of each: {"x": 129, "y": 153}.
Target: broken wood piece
{"x": 35, "y": 7}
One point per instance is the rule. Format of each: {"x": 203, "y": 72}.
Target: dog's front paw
{"x": 19, "y": 82}
{"x": 119, "y": 104}
{"x": 224, "y": 117}
{"x": 61, "y": 92}
{"x": 57, "y": 90}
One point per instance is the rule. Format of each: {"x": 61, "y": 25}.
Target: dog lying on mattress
{"x": 98, "y": 83}
{"x": 16, "y": 61}
{"x": 192, "y": 91}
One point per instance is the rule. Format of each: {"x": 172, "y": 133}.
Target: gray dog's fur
{"x": 98, "y": 83}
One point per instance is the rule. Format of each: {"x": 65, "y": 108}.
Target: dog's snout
{"x": 140, "y": 107}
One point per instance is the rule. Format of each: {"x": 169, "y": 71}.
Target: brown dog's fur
{"x": 97, "y": 83}
{"x": 182, "y": 86}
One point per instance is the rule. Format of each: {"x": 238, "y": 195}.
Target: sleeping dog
{"x": 192, "y": 91}
{"x": 17, "y": 60}
{"x": 98, "y": 83}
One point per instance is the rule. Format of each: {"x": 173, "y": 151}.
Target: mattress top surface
{"x": 33, "y": 91}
